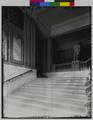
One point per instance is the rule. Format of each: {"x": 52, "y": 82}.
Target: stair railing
{"x": 85, "y": 64}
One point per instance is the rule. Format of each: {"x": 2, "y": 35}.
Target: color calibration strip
{"x": 53, "y": 4}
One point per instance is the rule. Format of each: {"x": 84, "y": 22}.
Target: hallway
{"x": 40, "y": 77}
{"x": 61, "y": 95}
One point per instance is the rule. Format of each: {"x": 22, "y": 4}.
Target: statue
{"x": 76, "y": 52}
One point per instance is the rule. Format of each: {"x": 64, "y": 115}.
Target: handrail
{"x": 85, "y": 64}
{"x": 89, "y": 59}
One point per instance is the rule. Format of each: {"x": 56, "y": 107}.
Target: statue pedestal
{"x": 75, "y": 65}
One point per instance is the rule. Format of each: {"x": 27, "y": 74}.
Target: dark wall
{"x": 63, "y": 50}
{"x": 19, "y": 32}
{"x": 85, "y": 52}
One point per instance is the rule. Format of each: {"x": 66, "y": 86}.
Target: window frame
{"x": 5, "y": 28}
{"x": 15, "y": 30}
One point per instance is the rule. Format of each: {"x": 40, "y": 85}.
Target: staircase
{"x": 62, "y": 94}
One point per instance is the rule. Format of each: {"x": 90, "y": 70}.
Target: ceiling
{"x": 49, "y": 17}
{"x": 53, "y": 16}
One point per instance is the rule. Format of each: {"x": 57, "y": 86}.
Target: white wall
{"x": 11, "y": 71}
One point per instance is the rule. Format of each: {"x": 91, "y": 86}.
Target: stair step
{"x": 63, "y": 95}
{"x": 55, "y": 91}
{"x": 34, "y": 110}
{"x": 51, "y": 99}
{"x": 60, "y": 83}
{"x": 62, "y": 79}
{"x": 47, "y": 104}
{"x": 54, "y": 87}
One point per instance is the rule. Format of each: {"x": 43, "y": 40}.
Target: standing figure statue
{"x": 76, "y": 52}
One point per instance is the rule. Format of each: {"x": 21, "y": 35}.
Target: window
{"x": 12, "y": 37}
{"x": 17, "y": 48}
{"x": 5, "y": 44}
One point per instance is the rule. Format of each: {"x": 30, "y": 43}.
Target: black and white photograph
{"x": 46, "y": 62}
